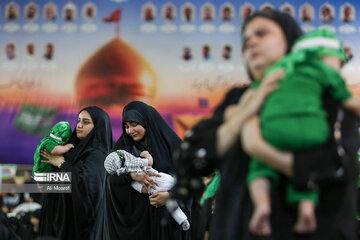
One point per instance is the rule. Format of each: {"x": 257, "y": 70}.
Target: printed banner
{"x": 58, "y": 56}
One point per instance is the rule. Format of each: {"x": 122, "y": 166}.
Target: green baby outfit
{"x": 292, "y": 117}
{"x": 59, "y": 135}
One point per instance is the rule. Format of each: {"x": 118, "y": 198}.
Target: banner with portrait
{"x": 58, "y": 56}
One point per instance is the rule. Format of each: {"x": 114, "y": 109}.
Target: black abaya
{"x": 128, "y": 213}
{"x": 79, "y": 214}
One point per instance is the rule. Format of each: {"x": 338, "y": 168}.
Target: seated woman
{"x": 79, "y": 215}
{"x": 128, "y": 213}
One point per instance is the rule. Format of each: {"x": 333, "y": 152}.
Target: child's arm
{"x": 353, "y": 104}
{"x": 112, "y": 164}
{"x": 147, "y": 155}
{"x": 256, "y": 146}
{"x": 61, "y": 149}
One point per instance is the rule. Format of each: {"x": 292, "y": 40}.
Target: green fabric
{"x": 121, "y": 156}
{"x": 301, "y": 91}
{"x": 295, "y": 132}
{"x": 294, "y": 197}
{"x": 292, "y": 117}
{"x": 211, "y": 188}
{"x": 258, "y": 169}
{"x": 318, "y": 49}
{"x": 61, "y": 130}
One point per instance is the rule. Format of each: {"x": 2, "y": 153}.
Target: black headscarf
{"x": 160, "y": 140}
{"x": 100, "y": 137}
{"x": 289, "y": 26}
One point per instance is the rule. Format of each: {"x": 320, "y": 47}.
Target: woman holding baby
{"x": 128, "y": 213}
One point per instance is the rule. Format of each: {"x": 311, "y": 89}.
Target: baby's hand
{"x": 69, "y": 146}
{"x": 147, "y": 155}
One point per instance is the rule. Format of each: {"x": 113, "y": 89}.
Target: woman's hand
{"x": 145, "y": 180}
{"x": 55, "y": 160}
{"x": 252, "y": 102}
{"x": 159, "y": 199}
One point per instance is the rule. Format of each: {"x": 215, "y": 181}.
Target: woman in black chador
{"x": 218, "y": 138}
{"x": 79, "y": 214}
{"x": 128, "y": 213}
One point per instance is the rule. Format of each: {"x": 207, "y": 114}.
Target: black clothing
{"x": 79, "y": 214}
{"x": 7, "y": 228}
{"x": 128, "y": 213}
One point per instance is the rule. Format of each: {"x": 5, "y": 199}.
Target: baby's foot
{"x": 306, "y": 222}
{"x": 185, "y": 225}
{"x": 260, "y": 222}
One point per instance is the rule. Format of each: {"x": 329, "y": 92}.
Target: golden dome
{"x": 115, "y": 75}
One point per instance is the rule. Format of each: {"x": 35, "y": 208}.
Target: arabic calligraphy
{"x": 217, "y": 82}
{"x": 21, "y": 82}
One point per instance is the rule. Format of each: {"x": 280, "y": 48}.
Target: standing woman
{"x": 128, "y": 213}
{"x": 268, "y": 36}
{"x": 79, "y": 214}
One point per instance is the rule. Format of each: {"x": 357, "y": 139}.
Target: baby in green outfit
{"x": 55, "y": 143}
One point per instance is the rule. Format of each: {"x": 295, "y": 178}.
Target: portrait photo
{"x": 30, "y": 49}
{"x": 188, "y": 13}
{"x": 148, "y": 12}
{"x": 327, "y": 13}
{"x": 50, "y": 11}
{"x": 69, "y": 12}
{"x": 206, "y": 52}
{"x": 207, "y": 12}
{"x": 227, "y": 52}
{"x": 89, "y": 11}
{"x": 12, "y": 11}
{"x": 227, "y": 13}
{"x": 169, "y": 12}
{"x": 246, "y": 10}
{"x": 288, "y": 8}
{"x": 10, "y": 51}
{"x": 31, "y": 11}
{"x": 187, "y": 53}
{"x": 49, "y": 51}
{"x": 347, "y": 13}
{"x": 306, "y": 13}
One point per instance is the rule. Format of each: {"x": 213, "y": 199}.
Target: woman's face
{"x": 134, "y": 130}
{"x": 84, "y": 125}
{"x": 264, "y": 44}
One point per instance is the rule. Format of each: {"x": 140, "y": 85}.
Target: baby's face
{"x": 332, "y": 61}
